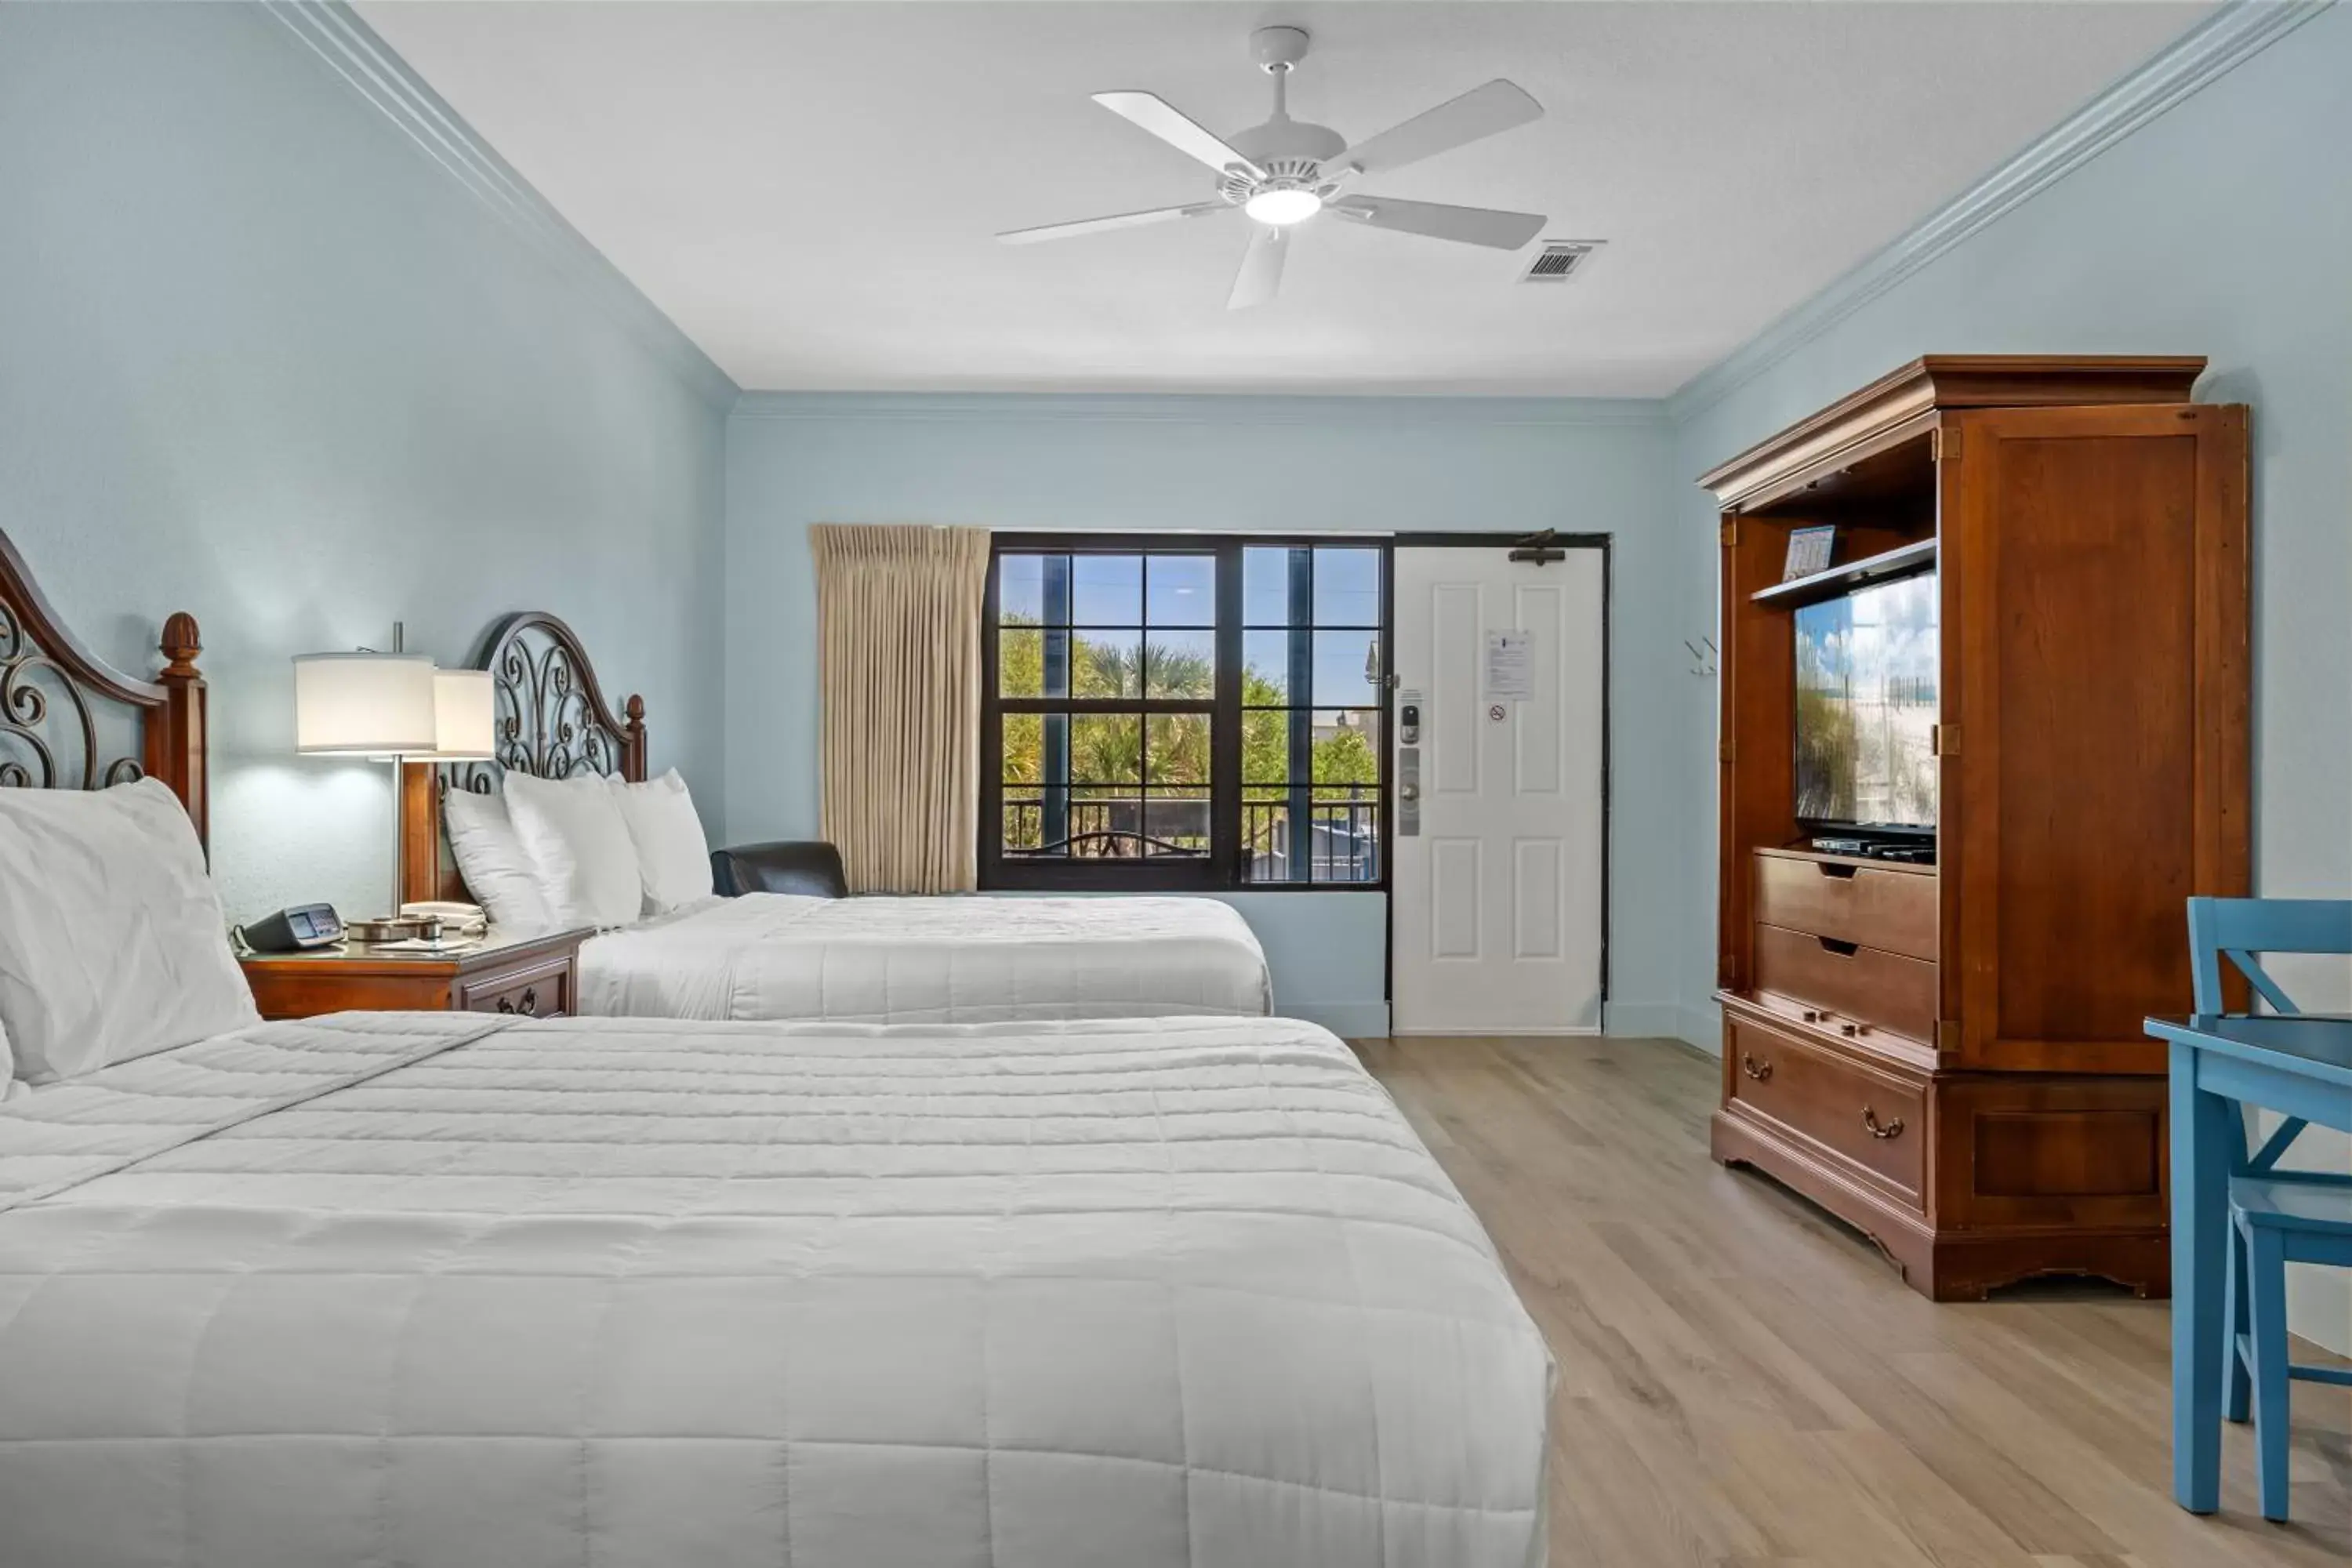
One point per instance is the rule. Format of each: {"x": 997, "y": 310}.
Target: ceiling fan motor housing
{"x": 1291, "y": 151}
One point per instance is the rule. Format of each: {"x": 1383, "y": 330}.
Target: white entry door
{"x": 1497, "y": 886}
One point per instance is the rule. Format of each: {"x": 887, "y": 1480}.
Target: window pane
{"x": 1346, "y": 841}
{"x": 1021, "y": 661}
{"x": 1107, "y": 664}
{"x": 1106, "y": 749}
{"x": 1183, "y": 591}
{"x": 1024, "y": 821}
{"x": 1177, "y": 822}
{"x": 1265, "y": 834}
{"x": 1347, "y": 666}
{"x": 1265, "y": 669}
{"x": 1024, "y": 748}
{"x": 1348, "y": 748}
{"x": 1265, "y": 586}
{"x": 1021, "y": 588}
{"x": 1103, "y": 826}
{"x": 1266, "y": 746}
{"x": 1178, "y": 752}
{"x": 1181, "y": 664}
{"x": 1347, "y": 587}
{"x": 1106, "y": 590}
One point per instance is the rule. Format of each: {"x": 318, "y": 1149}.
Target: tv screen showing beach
{"x": 1866, "y": 705}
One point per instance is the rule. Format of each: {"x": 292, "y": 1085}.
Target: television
{"x": 1866, "y": 704}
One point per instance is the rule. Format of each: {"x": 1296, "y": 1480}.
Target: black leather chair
{"x": 809, "y": 866}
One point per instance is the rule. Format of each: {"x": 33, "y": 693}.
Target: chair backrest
{"x": 2241, "y": 927}
{"x": 808, "y": 866}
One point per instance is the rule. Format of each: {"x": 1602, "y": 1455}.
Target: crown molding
{"x": 364, "y": 62}
{"x": 1197, "y": 408}
{"x": 2233, "y": 34}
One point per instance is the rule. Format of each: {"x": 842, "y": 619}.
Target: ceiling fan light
{"x": 1283, "y": 205}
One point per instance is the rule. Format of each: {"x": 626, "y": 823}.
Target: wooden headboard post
{"x": 551, "y": 721}
{"x": 176, "y": 737}
{"x": 48, "y": 679}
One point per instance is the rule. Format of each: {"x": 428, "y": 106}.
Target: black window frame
{"x": 1224, "y": 868}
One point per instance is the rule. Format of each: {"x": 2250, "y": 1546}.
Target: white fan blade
{"x": 1471, "y": 226}
{"x": 1156, "y": 116}
{"x": 1116, "y": 220}
{"x": 1261, "y": 273}
{"x": 1482, "y": 111}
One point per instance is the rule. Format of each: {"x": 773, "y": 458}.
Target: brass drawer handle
{"x": 1870, "y": 1124}
{"x": 1759, "y": 1071}
{"x": 530, "y": 1003}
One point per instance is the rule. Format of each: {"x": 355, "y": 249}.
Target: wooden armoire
{"x": 1949, "y": 1056}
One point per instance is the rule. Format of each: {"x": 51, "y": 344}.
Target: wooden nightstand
{"x": 537, "y": 975}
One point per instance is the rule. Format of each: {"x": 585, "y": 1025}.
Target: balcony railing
{"x": 1342, "y": 841}
{"x": 1110, "y": 829}
{"x": 1339, "y": 843}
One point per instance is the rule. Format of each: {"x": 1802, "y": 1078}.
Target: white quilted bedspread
{"x": 423, "y": 1289}
{"x": 930, "y": 960}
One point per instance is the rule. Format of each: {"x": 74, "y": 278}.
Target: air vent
{"x": 1560, "y": 260}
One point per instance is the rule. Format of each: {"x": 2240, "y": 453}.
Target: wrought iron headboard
{"x": 53, "y": 690}
{"x": 550, "y": 720}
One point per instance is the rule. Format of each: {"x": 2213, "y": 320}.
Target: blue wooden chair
{"x": 2276, "y": 1217}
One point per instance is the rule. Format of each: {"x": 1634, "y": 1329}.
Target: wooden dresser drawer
{"x": 1871, "y": 1118}
{"x": 1864, "y": 986}
{"x": 544, "y": 992}
{"x": 1883, "y": 907}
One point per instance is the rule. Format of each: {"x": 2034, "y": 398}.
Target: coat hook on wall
{"x": 1702, "y": 654}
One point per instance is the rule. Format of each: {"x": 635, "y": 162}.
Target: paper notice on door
{"x": 1510, "y": 673}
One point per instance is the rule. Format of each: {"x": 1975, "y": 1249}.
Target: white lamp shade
{"x": 363, "y": 704}
{"x": 464, "y": 714}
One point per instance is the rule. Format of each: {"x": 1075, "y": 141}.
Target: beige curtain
{"x": 898, "y": 621}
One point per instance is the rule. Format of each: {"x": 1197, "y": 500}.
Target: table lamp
{"x": 464, "y": 721}
{"x": 367, "y": 704}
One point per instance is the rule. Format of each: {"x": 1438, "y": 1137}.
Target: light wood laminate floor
{"x": 1744, "y": 1381}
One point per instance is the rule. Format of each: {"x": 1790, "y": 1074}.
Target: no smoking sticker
{"x": 1496, "y": 711}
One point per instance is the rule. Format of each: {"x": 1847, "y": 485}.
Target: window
{"x": 1184, "y": 712}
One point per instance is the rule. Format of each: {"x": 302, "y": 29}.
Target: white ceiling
{"x": 810, "y": 190}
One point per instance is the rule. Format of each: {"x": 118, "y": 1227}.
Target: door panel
{"x": 1453, "y": 897}
{"x": 1456, "y": 611}
{"x": 1497, "y": 898}
{"x": 2072, "y": 543}
{"x": 1536, "y": 889}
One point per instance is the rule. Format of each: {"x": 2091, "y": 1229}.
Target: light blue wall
{"x": 1222, "y": 464}
{"x": 264, "y": 361}
{"x": 2222, "y": 228}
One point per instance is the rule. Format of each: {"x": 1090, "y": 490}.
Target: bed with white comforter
{"x": 431, "y": 1288}
{"x": 972, "y": 959}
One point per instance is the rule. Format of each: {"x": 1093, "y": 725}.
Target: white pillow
{"x": 579, "y": 846}
{"x": 111, "y": 941}
{"x": 493, "y": 860}
{"x": 672, "y": 857}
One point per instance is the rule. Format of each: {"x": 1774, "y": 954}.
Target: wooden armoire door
{"x": 2093, "y": 709}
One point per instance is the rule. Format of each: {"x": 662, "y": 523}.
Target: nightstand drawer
{"x": 544, "y": 992}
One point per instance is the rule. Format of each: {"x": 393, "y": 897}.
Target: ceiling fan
{"x": 1284, "y": 171}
